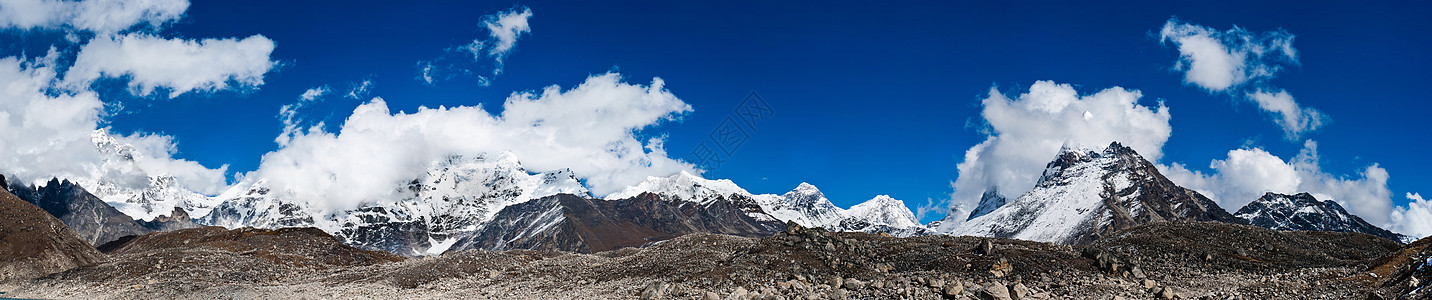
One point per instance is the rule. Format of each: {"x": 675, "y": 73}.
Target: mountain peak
{"x": 1305, "y": 212}
{"x": 1084, "y": 194}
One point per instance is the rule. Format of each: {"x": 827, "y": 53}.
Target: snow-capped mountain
{"x": 1304, "y": 212}
{"x": 991, "y": 200}
{"x": 455, "y": 197}
{"x": 1085, "y": 194}
{"x": 883, "y": 210}
{"x": 135, "y": 192}
{"x": 805, "y": 205}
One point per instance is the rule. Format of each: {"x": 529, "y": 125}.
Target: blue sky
{"x": 868, "y": 99}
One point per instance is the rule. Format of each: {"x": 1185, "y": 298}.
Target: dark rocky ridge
{"x": 1304, "y": 212}
{"x": 579, "y": 224}
{"x": 33, "y": 243}
{"x": 94, "y": 220}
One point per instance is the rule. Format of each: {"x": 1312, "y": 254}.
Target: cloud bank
{"x": 151, "y": 62}
{"x": 50, "y": 123}
{"x": 1414, "y": 220}
{"x": 1248, "y": 173}
{"x": 98, "y": 16}
{"x": 1241, "y": 62}
{"x": 590, "y": 128}
{"x": 1026, "y": 132}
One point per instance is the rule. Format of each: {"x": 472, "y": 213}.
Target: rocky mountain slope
{"x": 33, "y": 243}
{"x": 95, "y": 221}
{"x": 1086, "y": 194}
{"x": 579, "y": 224}
{"x": 1304, "y": 212}
{"x": 1163, "y": 260}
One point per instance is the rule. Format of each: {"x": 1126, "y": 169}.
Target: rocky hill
{"x": 1164, "y": 260}
{"x": 95, "y": 221}
{"x": 33, "y": 243}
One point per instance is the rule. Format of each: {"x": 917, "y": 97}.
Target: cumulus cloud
{"x": 151, "y": 62}
{"x": 1026, "y": 132}
{"x": 1247, "y": 174}
{"x": 504, "y": 29}
{"x": 43, "y": 134}
{"x": 1240, "y": 60}
{"x": 51, "y": 125}
{"x": 1218, "y": 61}
{"x": 98, "y": 16}
{"x": 589, "y": 128}
{"x": 1293, "y": 118}
{"x": 1416, "y": 219}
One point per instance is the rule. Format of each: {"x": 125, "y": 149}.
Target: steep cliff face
{"x": 95, "y": 221}
{"x": 33, "y": 243}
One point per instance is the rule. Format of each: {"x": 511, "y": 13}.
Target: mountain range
{"x": 490, "y": 201}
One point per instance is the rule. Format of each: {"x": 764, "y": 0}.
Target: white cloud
{"x": 1293, "y": 118}
{"x": 360, "y": 89}
{"x": 49, "y": 126}
{"x": 589, "y": 128}
{"x": 1416, "y": 219}
{"x": 1248, "y": 173}
{"x": 150, "y": 62}
{"x": 156, "y": 157}
{"x": 1240, "y": 60}
{"x": 504, "y": 29}
{"x": 42, "y": 134}
{"x": 288, "y": 114}
{"x": 46, "y": 132}
{"x": 1025, "y": 133}
{"x": 314, "y": 93}
{"x": 1218, "y": 61}
{"x": 99, "y": 16}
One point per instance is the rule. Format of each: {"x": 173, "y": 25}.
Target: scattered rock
{"x": 953, "y": 289}
{"x": 1001, "y": 268}
{"x": 654, "y": 290}
{"x": 1020, "y": 292}
{"x": 854, "y": 284}
{"x": 739, "y": 294}
{"x": 1167, "y": 293}
{"x": 710, "y": 296}
{"x": 995, "y": 291}
{"x": 985, "y": 247}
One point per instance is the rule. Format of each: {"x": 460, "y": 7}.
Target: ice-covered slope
{"x": 1304, "y": 212}
{"x": 1085, "y": 194}
{"x": 883, "y": 210}
{"x": 139, "y": 193}
{"x": 805, "y": 205}
{"x": 455, "y": 197}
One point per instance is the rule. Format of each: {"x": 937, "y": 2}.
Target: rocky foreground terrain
{"x": 1165, "y": 260}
